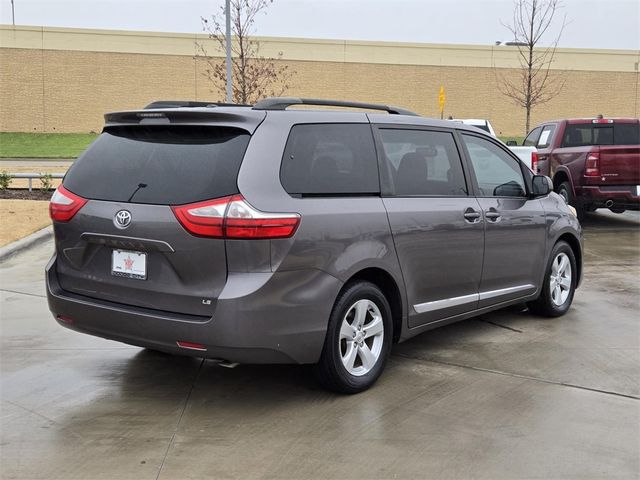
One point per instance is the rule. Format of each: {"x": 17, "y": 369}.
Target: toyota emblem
{"x": 122, "y": 219}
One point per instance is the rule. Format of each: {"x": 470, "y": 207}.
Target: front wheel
{"x": 358, "y": 340}
{"x": 559, "y": 283}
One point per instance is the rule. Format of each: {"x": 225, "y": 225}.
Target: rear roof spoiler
{"x": 189, "y": 103}
{"x": 282, "y": 103}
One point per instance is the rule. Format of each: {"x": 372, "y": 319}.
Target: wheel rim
{"x": 361, "y": 337}
{"x": 564, "y": 194}
{"x": 560, "y": 279}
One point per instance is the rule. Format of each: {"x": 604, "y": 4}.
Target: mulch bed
{"x": 25, "y": 194}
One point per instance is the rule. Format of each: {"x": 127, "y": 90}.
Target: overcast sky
{"x": 591, "y": 23}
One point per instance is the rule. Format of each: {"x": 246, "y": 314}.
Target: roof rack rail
{"x": 189, "y": 103}
{"x": 282, "y": 103}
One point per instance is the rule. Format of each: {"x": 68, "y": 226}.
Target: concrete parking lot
{"x": 507, "y": 395}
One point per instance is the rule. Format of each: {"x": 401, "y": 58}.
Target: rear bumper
{"x": 600, "y": 196}
{"x": 260, "y": 318}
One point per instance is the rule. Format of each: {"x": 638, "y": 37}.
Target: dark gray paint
{"x": 271, "y": 299}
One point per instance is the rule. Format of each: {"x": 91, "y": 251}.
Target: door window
{"x": 532, "y": 138}
{"x": 422, "y": 163}
{"x": 546, "y": 136}
{"x": 496, "y": 172}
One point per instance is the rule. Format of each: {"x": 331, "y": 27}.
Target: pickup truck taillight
{"x": 592, "y": 166}
{"x": 534, "y": 162}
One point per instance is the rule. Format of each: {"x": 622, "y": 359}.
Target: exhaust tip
{"x": 226, "y": 364}
{"x": 608, "y": 203}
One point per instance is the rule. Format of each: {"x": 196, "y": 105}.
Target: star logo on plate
{"x": 128, "y": 263}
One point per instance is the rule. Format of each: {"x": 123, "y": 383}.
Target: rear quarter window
{"x": 164, "y": 165}
{"x": 330, "y": 159}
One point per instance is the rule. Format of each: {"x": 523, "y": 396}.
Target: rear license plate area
{"x": 128, "y": 264}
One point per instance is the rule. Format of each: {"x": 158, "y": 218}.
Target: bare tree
{"x": 254, "y": 76}
{"x": 534, "y": 84}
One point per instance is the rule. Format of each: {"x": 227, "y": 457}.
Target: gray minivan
{"x": 269, "y": 234}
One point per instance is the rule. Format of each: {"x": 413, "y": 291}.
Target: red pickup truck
{"x": 594, "y": 163}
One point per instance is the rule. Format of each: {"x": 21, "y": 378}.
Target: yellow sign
{"x": 442, "y": 98}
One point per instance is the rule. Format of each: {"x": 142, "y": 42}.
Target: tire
{"x": 352, "y": 359}
{"x": 555, "y": 299}
{"x": 565, "y": 190}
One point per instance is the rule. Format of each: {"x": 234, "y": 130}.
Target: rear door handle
{"x": 471, "y": 215}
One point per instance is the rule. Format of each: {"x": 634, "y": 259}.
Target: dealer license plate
{"x": 125, "y": 263}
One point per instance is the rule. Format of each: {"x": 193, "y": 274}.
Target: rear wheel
{"x": 566, "y": 192}
{"x": 358, "y": 340}
{"x": 559, "y": 283}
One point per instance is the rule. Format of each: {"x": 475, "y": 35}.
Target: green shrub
{"x": 46, "y": 182}
{"x": 5, "y": 180}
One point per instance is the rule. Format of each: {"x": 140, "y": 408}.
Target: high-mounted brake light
{"x": 592, "y": 165}
{"x": 64, "y": 205}
{"x": 602, "y": 120}
{"x": 234, "y": 218}
{"x": 534, "y": 162}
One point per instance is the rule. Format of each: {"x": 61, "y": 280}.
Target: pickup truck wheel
{"x": 565, "y": 191}
{"x": 358, "y": 340}
{"x": 559, "y": 283}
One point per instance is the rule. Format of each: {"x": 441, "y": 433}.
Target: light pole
{"x": 228, "y": 45}
{"x": 13, "y": 14}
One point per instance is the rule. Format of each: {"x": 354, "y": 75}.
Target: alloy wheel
{"x": 361, "y": 337}
{"x": 560, "y": 279}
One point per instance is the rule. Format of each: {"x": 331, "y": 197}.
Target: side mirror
{"x": 541, "y": 185}
{"x": 512, "y": 143}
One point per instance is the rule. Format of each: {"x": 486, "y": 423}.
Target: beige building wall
{"x": 63, "y": 80}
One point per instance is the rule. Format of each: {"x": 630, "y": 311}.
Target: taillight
{"x": 534, "y": 162}
{"x": 592, "y": 165}
{"x": 233, "y": 217}
{"x": 204, "y": 219}
{"x": 64, "y": 205}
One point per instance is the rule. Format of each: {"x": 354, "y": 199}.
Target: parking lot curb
{"x": 26, "y": 242}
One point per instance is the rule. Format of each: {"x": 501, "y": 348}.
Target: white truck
{"x": 528, "y": 154}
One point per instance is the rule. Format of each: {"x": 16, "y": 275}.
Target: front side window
{"x": 423, "y": 163}
{"x": 496, "y": 172}
{"x": 532, "y": 138}
{"x": 546, "y": 136}
{"x": 330, "y": 159}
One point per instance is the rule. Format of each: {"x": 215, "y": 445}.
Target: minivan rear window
{"x": 584, "y": 134}
{"x": 160, "y": 164}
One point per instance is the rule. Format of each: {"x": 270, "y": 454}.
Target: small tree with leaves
{"x": 534, "y": 84}
{"x": 254, "y": 76}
